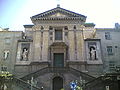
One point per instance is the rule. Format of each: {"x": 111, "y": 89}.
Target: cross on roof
{"x": 58, "y": 3}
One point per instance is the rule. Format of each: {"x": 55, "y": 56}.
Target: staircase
{"x": 56, "y": 70}
{"x": 23, "y": 84}
{"x": 82, "y": 74}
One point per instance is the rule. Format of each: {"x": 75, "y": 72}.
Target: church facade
{"x": 60, "y": 47}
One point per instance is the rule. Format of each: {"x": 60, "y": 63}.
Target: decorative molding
{"x": 59, "y": 14}
{"x": 25, "y": 40}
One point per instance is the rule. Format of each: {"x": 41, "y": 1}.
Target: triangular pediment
{"x": 58, "y": 13}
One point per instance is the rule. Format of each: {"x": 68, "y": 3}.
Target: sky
{"x": 16, "y": 13}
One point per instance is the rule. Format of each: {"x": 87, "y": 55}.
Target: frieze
{"x": 58, "y": 22}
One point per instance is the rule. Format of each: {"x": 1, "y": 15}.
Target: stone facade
{"x": 110, "y": 48}
{"x": 8, "y": 44}
{"x": 60, "y": 46}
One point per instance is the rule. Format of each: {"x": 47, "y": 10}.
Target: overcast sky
{"x": 16, "y": 13}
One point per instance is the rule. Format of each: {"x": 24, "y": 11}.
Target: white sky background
{"x": 16, "y": 13}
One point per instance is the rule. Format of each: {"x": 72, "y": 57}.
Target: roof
{"x": 58, "y": 13}
{"x": 28, "y": 26}
{"x": 89, "y": 24}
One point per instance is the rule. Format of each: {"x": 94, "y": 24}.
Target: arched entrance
{"x": 57, "y": 83}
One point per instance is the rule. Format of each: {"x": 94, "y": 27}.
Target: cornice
{"x": 60, "y": 18}
{"x": 70, "y": 15}
{"x": 25, "y": 40}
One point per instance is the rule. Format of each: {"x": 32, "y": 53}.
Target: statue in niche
{"x": 25, "y": 54}
{"x": 117, "y": 25}
{"x": 24, "y": 36}
{"x": 6, "y": 53}
{"x": 93, "y": 55}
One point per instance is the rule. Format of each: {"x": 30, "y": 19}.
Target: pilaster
{"x": 45, "y": 45}
{"x": 80, "y": 45}
{"x": 71, "y": 45}
{"x": 37, "y": 39}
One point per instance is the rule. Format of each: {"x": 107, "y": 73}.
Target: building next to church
{"x": 8, "y": 49}
{"x": 60, "y": 47}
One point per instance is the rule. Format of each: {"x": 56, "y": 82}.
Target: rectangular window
{"x": 51, "y": 38}
{"x": 112, "y": 65}
{"x": 58, "y": 34}
{"x": 7, "y": 40}
{"x": 109, "y": 50}
{"x": 3, "y": 68}
{"x": 107, "y": 36}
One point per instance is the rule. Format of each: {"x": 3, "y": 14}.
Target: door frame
{"x": 59, "y": 77}
{"x": 63, "y": 62}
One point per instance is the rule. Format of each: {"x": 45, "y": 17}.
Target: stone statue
{"x": 3, "y": 87}
{"x": 92, "y": 53}
{"x": 24, "y": 36}
{"x": 117, "y": 25}
{"x": 6, "y": 53}
{"x": 25, "y": 54}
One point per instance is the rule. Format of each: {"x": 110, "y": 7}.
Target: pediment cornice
{"x": 58, "y": 13}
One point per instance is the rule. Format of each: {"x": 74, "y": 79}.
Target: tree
{"x": 5, "y": 79}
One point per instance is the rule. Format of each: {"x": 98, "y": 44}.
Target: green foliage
{"x": 6, "y": 75}
{"x": 79, "y": 88}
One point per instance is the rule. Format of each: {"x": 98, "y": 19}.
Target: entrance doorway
{"x": 118, "y": 84}
{"x": 57, "y": 83}
{"x": 58, "y": 60}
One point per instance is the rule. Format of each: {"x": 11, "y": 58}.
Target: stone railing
{"x": 19, "y": 83}
{"x": 56, "y": 70}
{"x": 35, "y": 74}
